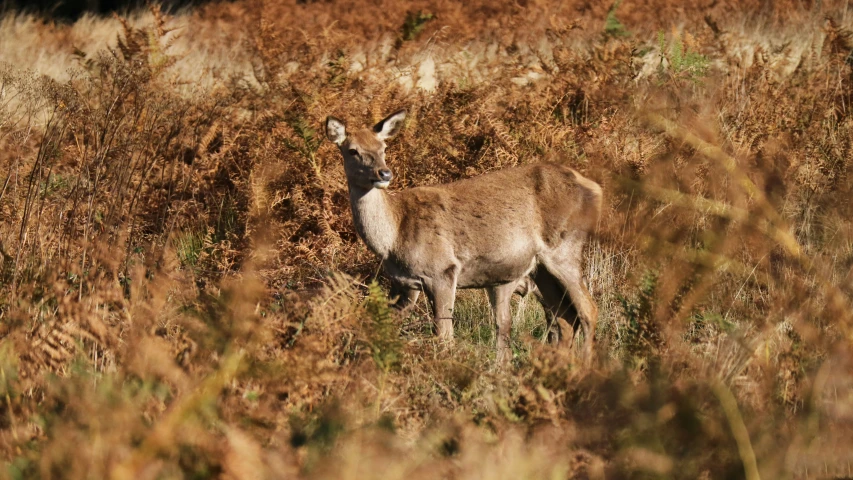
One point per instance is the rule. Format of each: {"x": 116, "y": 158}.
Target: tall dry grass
{"x": 183, "y": 293}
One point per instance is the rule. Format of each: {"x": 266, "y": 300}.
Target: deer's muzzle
{"x": 383, "y": 178}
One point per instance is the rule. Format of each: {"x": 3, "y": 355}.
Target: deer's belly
{"x": 486, "y": 272}
{"x": 487, "y": 264}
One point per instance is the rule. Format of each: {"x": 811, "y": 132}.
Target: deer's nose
{"x": 384, "y": 174}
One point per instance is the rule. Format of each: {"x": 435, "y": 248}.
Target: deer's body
{"x": 476, "y": 230}
{"x": 494, "y": 231}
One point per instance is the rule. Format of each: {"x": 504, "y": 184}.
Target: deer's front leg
{"x": 442, "y": 292}
{"x": 500, "y": 297}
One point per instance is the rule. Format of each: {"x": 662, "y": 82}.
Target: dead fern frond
{"x": 838, "y": 40}
{"x": 131, "y": 42}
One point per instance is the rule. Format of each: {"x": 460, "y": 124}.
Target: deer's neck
{"x": 375, "y": 219}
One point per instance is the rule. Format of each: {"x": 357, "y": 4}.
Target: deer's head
{"x": 364, "y": 150}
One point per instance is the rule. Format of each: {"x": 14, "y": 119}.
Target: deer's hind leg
{"x": 560, "y": 312}
{"x": 527, "y": 286}
{"x": 568, "y": 275}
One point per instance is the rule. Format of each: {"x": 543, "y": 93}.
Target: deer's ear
{"x": 336, "y": 131}
{"x": 390, "y": 126}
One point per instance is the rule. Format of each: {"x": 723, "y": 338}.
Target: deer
{"x": 517, "y": 230}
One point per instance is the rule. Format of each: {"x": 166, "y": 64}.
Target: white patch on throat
{"x": 374, "y": 220}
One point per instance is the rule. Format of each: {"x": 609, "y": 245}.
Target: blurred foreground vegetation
{"x": 183, "y": 294}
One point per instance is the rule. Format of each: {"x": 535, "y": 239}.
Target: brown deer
{"x": 496, "y": 231}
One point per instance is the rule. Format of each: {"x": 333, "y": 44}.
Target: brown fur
{"x": 501, "y": 231}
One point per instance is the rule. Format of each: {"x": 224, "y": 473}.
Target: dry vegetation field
{"x": 183, "y": 294}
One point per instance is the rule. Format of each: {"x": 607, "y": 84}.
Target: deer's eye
{"x": 353, "y": 152}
